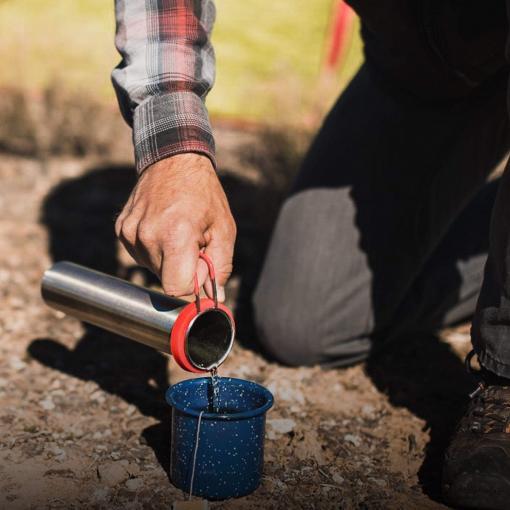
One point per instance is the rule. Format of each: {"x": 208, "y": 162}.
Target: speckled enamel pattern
{"x": 230, "y": 453}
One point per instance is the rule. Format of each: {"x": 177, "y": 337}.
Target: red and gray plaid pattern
{"x": 167, "y": 69}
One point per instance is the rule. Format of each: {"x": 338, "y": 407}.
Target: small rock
{"x": 378, "y": 481}
{"x": 130, "y": 410}
{"x": 56, "y": 384}
{"x": 280, "y": 426}
{"x": 290, "y": 394}
{"x": 90, "y": 387}
{"x": 77, "y": 432}
{"x": 17, "y": 364}
{"x": 100, "y": 494}
{"x": 337, "y": 478}
{"x": 368, "y": 410}
{"x": 132, "y": 468}
{"x": 59, "y": 454}
{"x": 112, "y": 473}
{"x": 275, "y": 484}
{"x": 134, "y": 484}
{"x": 354, "y": 440}
{"x": 3, "y": 382}
{"x": 285, "y": 390}
{"x": 98, "y": 397}
{"x": 244, "y": 371}
{"x": 328, "y": 424}
{"x": 47, "y": 404}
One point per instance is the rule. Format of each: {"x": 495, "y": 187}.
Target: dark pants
{"x": 386, "y": 231}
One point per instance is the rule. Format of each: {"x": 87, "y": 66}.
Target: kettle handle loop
{"x": 212, "y": 276}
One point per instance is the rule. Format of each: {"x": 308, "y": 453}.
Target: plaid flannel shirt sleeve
{"x": 167, "y": 69}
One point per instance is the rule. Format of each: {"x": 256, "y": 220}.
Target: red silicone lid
{"x": 180, "y": 329}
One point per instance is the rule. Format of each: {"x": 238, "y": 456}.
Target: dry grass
{"x": 57, "y": 122}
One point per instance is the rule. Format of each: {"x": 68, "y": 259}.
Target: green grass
{"x": 268, "y": 53}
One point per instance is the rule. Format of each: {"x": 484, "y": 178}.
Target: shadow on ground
{"x": 422, "y": 374}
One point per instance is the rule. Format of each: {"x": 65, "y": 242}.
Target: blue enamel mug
{"x": 227, "y": 452}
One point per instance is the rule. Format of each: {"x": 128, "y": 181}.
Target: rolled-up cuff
{"x": 170, "y": 124}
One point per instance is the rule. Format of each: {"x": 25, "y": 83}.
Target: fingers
{"x": 179, "y": 260}
{"x": 174, "y": 257}
{"x": 126, "y": 231}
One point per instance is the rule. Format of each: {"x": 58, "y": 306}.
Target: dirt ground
{"x": 83, "y": 421}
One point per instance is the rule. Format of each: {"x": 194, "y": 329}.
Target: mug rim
{"x": 250, "y": 413}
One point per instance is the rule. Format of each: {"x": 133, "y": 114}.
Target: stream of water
{"x": 215, "y": 384}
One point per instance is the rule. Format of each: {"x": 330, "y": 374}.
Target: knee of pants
{"x": 298, "y": 339}
{"x": 284, "y": 339}
{"x": 307, "y": 308}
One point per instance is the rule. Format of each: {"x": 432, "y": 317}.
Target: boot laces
{"x": 489, "y": 410}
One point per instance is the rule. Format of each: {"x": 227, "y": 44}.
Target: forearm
{"x": 166, "y": 71}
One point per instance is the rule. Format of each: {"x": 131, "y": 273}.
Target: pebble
{"x": 354, "y": 440}
{"x": 133, "y": 484}
{"x": 276, "y": 485}
{"x": 243, "y": 371}
{"x": 77, "y": 432}
{"x": 285, "y": 390}
{"x": 17, "y": 364}
{"x": 90, "y": 387}
{"x": 337, "y": 478}
{"x": 378, "y": 481}
{"x": 59, "y": 454}
{"x": 98, "y": 397}
{"x": 368, "y": 410}
{"x": 100, "y": 494}
{"x": 56, "y": 384}
{"x": 132, "y": 468}
{"x": 280, "y": 426}
{"x": 112, "y": 473}
{"x": 47, "y": 404}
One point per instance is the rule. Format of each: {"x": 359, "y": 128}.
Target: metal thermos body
{"x": 132, "y": 311}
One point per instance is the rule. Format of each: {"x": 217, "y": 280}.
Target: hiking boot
{"x": 476, "y": 472}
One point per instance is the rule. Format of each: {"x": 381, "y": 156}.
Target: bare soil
{"x": 83, "y": 421}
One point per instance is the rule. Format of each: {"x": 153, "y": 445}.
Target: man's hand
{"x": 177, "y": 208}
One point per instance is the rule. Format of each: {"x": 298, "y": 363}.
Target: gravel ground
{"x": 83, "y": 423}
